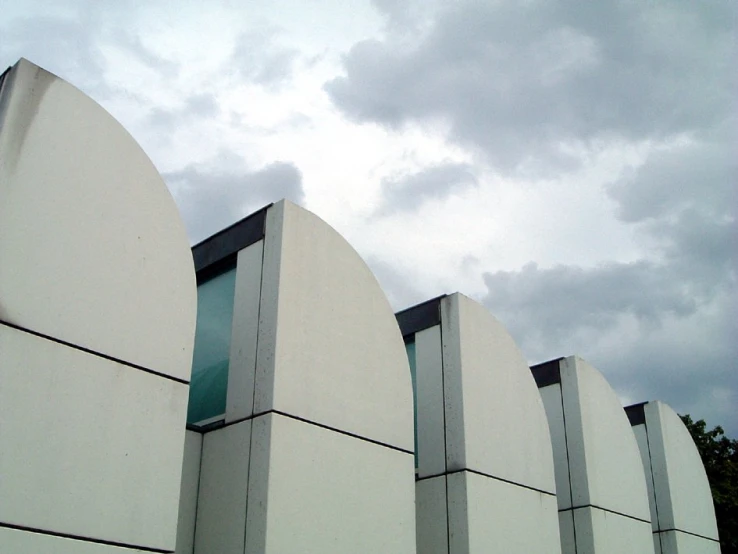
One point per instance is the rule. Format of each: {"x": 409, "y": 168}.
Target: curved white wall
{"x": 329, "y": 349}
{"x": 92, "y": 248}
{"x": 495, "y": 420}
{"x": 682, "y": 510}
{"x": 97, "y": 317}
{"x": 485, "y": 464}
{"x": 684, "y": 482}
{"x": 604, "y": 457}
{"x": 603, "y": 499}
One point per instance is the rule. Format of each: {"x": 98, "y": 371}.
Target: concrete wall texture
{"x": 316, "y": 449}
{"x": 602, "y": 495}
{"x": 318, "y": 421}
{"x": 97, "y": 319}
{"x": 682, "y": 512}
{"x": 485, "y": 467}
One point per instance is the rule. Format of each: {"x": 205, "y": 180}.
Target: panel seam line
{"x": 653, "y": 478}
{"x": 309, "y": 422}
{"x": 596, "y": 507}
{"x": 82, "y": 538}
{"x": 93, "y": 352}
{"x": 483, "y": 474}
{"x": 675, "y": 530}
{"x": 568, "y": 460}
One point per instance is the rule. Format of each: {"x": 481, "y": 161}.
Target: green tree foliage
{"x": 720, "y": 457}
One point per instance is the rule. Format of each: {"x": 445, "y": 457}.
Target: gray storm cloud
{"x": 535, "y": 88}
{"x": 407, "y": 192}
{"x": 516, "y": 80}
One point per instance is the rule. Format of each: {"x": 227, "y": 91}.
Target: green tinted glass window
{"x": 209, "y": 381}
{"x": 410, "y": 348}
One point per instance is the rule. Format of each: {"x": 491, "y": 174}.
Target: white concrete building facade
{"x": 256, "y": 393}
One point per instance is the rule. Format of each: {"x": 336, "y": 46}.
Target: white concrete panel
{"x": 221, "y": 507}
{"x": 566, "y": 529}
{"x": 88, "y": 447}
{"x": 258, "y": 483}
{"x": 242, "y": 361}
{"x": 429, "y": 384}
{"x": 682, "y": 490}
{"x": 458, "y": 513}
{"x": 14, "y": 541}
{"x": 495, "y": 419}
{"x": 329, "y": 347}
{"x": 604, "y": 460}
{"x": 602, "y": 532}
{"x": 319, "y": 491}
{"x": 431, "y": 525}
{"x": 641, "y": 436}
{"x": 92, "y": 248}
{"x": 511, "y": 519}
{"x": 551, "y": 397}
{"x": 188, "y": 493}
{"x": 676, "y": 542}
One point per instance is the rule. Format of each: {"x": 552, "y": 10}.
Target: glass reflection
{"x": 209, "y": 381}
{"x": 410, "y": 349}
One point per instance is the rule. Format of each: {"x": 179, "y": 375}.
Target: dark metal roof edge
{"x": 636, "y": 413}
{"x": 547, "y": 373}
{"x": 421, "y": 316}
{"x": 220, "y": 248}
{"x": 5, "y": 72}
{"x": 5, "y": 94}
{"x": 232, "y": 225}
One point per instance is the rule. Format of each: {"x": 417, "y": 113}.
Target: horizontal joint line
{"x": 219, "y": 425}
{"x": 93, "y": 352}
{"x": 81, "y": 538}
{"x": 605, "y": 510}
{"x": 482, "y": 474}
{"x": 674, "y": 529}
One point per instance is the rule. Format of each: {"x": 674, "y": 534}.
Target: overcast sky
{"x": 572, "y": 165}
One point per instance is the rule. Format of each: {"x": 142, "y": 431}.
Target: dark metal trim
{"x": 82, "y": 538}
{"x": 212, "y": 426}
{"x": 547, "y": 373}
{"x": 218, "y": 268}
{"x": 419, "y": 317}
{"x": 6, "y": 85}
{"x": 218, "y": 252}
{"x": 636, "y": 414}
{"x": 4, "y": 73}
